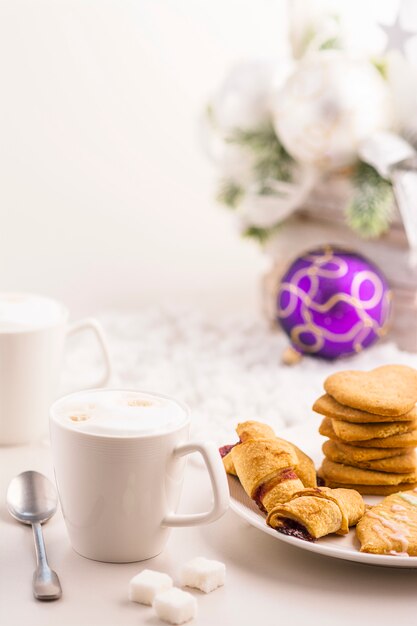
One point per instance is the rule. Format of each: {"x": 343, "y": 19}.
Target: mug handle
{"x": 92, "y": 324}
{"x": 219, "y": 485}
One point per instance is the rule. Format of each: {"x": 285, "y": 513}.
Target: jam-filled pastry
{"x": 266, "y": 470}
{"x": 390, "y": 527}
{"x": 306, "y": 470}
{"x": 314, "y": 513}
{"x": 252, "y": 430}
{"x": 246, "y": 431}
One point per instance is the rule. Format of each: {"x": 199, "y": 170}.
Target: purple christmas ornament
{"x": 333, "y": 303}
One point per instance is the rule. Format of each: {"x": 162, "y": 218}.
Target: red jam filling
{"x": 294, "y": 529}
{"x": 262, "y": 490}
{"x": 224, "y": 450}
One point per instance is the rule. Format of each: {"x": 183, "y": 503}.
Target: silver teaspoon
{"x": 32, "y": 499}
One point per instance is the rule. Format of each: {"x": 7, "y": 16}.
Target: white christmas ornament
{"x": 328, "y": 106}
{"x": 241, "y": 102}
{"x": 265, "y": 211}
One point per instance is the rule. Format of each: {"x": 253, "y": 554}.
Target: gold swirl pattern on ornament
{"x": 360, "y": 331}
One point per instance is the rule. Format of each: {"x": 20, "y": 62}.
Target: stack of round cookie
{"x": 370, "y": 419}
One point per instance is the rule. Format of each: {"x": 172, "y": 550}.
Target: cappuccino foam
{"x": 119, "y": 413}
{"x": 20, "y": 311}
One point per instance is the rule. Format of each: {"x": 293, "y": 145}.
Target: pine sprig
{"x": 230, "y": 193}
{"x": 261, "y": 235}
{"x": 271, "y": 160}
{"x": 333, "y": 43}
{"x": 370, "y": 211}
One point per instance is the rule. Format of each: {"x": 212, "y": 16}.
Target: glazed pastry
{"x": 265, "y": 468}
{"x": 351, "y": 455}
{"x": 363, "y": 432}
{"x": 313, "y": 513}
{"x": 390, "y": 527}
{"x": 386, "y": 390}
{"x": 394, "y": 441}
{"x": 340, "y": 473}
{"x": 328, "y": 406}
{"x": 399, "y": 464}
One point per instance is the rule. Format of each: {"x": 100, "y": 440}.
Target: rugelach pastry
{"x": 266, "y": 470}
{"x": 245, "y": 431}
{"x": 328, "y": 406}
{"x": 390, "y": 527}
{"x": 386, "y": 390}
{"x": 270, "y": 469}
{"x": 314, "y": 513}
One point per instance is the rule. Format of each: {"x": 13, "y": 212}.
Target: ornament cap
{"x": 291, "y": 356}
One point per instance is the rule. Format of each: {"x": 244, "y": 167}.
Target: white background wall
{"x": 106, "y": 200}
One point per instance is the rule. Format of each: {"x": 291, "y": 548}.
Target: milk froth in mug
{"x": 21, "y": 311}
{"x": 119, "y": 413}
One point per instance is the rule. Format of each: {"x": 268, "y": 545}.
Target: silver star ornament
{"x": 397, "y": 36}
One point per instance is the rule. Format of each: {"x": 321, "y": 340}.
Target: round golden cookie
{"x": 363, "y": 432}
{"x": 373, "y": 490}
{"x": 400, "y": 464}
{"x": 405, "y": 440}
{"x": 386, "y": 390}
{"x": 346, "y": 474}
{"x": 328, "y": 406}
{"x": 356, "y": 454}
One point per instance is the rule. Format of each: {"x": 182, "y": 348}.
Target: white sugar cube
{"x": 204, "y": 574}
{"x": 144, "y": 586}
{"x": 175, "y": 606}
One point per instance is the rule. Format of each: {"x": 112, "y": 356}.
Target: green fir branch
{"x": 261, "y": 235}
{"x": 370, "y": 211}
{"x": 230, "y": 193}
{"x": 333, "y": 43}
{"x": 271, "y": 160}
{"x": 381, "y": 65}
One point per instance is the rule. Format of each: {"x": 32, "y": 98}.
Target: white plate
{"x": 340, "y": 547}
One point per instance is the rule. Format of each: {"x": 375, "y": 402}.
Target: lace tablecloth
{"x": 227, "y": 370}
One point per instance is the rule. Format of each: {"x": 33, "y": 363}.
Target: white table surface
{"x": 268, "y": 582}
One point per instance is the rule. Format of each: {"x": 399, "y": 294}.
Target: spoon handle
{"x": 46, "y": 585}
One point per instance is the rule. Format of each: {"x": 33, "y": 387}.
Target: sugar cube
{"x": 175, "y": 606}
{"x": 144, "y": 586}
{"x": 204, "y": 574}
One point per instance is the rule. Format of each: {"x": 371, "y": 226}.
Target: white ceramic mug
{"x": 32, "y": 337}
{"x": 119, "y": 492}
